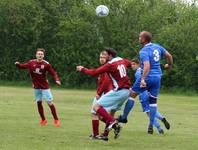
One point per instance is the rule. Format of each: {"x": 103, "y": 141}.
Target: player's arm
{"x": 145, "y": 59}
{"x": 128, "y": 63}
{"x": 169, "y": 59}
{"x": 101, "y": 86}
{"x": 145, "y": 71}
{"x": 22, "y": 66}
{"x": 54, "y": 74}
{"x": 100, "y": 70}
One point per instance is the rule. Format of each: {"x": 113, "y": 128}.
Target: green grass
{"x": 20, "y": 130}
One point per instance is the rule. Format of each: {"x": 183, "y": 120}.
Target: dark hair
{"x": 111, "y": 51}
{"x": 135, "y": 60}
{"x": 41, "y": 49}
{"x": 147, "y": 35}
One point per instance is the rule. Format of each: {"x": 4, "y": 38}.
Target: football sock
{"x": 153, "y": 109}
{"x": 156, "y": 124}
{"x": 107, "y": 117}
{"x": 158, "y": 116}
{"x": 128, "y": 107}
{"x": 106, "y": 132}
{"x": 40, "y": 110}
{"x": 95, "y": 127}
{"x": 53, "y": 111}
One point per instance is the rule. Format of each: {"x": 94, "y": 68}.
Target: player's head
{"x": 112, "y": 53}
{"x": 40, "y": 53}
{"x": 145, "y": 37}
{"x": 135, "y": 64}
{"x": 103, "y": 57}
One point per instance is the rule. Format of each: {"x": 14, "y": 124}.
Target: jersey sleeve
{"x": 138, "y": 74}
{"x": 163, "y": 51}
{"x": 24, "y": 66}
{"x": 100, "y": 70}
{"x": 53, "y": 73}
{"x": 128, "y": 63}
{"x": 144, "y": 56}
{"x": 100, "y": 85}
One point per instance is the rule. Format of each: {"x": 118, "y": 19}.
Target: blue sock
{"x": 159, "y": 116}
{"x": 153, "y": 109}
{"x": 156, "y": 124}
{"x": 128, "y": 107}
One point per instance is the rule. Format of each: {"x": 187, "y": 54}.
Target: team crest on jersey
{"x": 37, "y": 71}
{"x": 42, "y": 66}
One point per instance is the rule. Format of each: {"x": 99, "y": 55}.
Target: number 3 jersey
{"x": 117, "y": 70}
{"x": 153, "y": 53}
{"x": 38, "y": 71}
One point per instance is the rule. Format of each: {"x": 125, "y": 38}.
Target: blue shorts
{"x": 114, "y": 99}
{"x": 153, "y": 86}
{"x": 43, "y": 93}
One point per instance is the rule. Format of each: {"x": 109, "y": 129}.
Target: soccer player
{"x": 144, "y": 98}
{"x": 150, "y": 56}
{"x": 104, "y": 85}
{"x": 38, "y": 68}
{"x": 117, "y": 69}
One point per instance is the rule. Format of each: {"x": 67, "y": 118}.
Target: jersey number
{"x": 122, "y": 71}
{"x": 156, "y": 55}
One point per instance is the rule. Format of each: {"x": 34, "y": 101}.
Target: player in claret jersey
{"x": 38, "y": 69}
{"x": 117, "y": 70}
{"x": 105, "y": 85}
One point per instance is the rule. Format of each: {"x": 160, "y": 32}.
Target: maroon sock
{"x": 53, "y": 111}
{"x": 107, "y": 117}
{"x": 40, "y": 110}
{"x": 106, "y": 133}
{"x": 95, "y": 127}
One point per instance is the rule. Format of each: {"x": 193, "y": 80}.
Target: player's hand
{"x": 79, "y": 68}
{"x": 58, "y": 82}
{"x": 167, "y": 66}
{"x": 17, "y": 63}
{"x": 97, "y": 96}
{"x": 142, "y": 83}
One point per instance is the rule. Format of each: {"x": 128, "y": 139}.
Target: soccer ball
{"x": 102, "y": 11}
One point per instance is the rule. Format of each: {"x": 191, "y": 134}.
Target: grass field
{"x": 20, "y": 130}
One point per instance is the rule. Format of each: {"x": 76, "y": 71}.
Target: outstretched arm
{"x": 100, "y": 70}
{"x": 22, "y": 66}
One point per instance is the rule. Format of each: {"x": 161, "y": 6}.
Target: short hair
{"x": 41, "y": 49}
{"x": 135, "y": 60}
{"x": 103, "y": 53}
{"x": 111, "y": 51}
{"x": 147, "y": 35}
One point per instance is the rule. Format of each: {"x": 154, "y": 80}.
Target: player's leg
{"x": 110, "y": 101}
{"x": 105, "y": 134}
{"x": 135, "y": 90}
{"x": 163, "y": 119}
{"x": 38, "y": 96}
{"x": 127, "y": 108}
{"x": 48, "y": 96}
{"x": 154, "y": 83}
{"x": 157, "y": 125}
{"x": 95, "y": 123}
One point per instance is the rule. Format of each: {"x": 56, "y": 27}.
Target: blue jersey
{"x": 153, "y": 53}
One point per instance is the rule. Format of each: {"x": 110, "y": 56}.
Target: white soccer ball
{"x": 102, "y": 11}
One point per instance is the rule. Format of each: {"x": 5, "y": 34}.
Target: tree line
{"x": 72, "y": 34}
